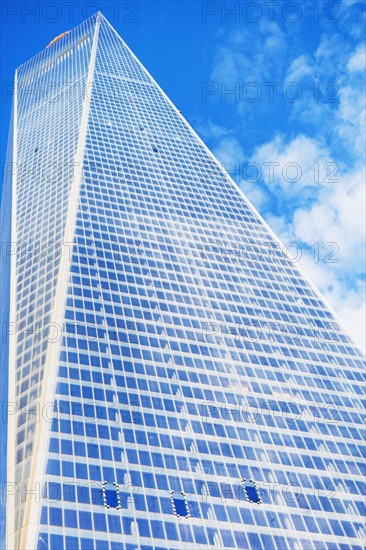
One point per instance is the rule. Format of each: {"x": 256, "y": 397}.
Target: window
{"x": 251, "y": 491}
{"x": 111, "y": 495}
{"x": 179, "y": 502}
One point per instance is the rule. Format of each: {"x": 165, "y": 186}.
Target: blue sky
{"x": 275, "y": 89}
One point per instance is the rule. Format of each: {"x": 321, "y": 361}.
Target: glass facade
{"x": 190, "y": 389}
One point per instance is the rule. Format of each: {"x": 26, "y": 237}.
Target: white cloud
{"x": 257, "y": 196}
{"x": 336, "y": 211}
{"x": 300, "y": 67}
{"x": 352, "y": 18}
{"x": 337, "y": 217}
{"x": 352, "y": 309}
{"x": 210, "y": 130}
{"x": 357, "y": 61}
{"x": 295, "y": 164}
{"x": 230, "y": 152}
{"x": 326, "y": 203}
{"x": 348, "y": 304}
{"x": 334, "y": 220}
{"x": 248, "y": 54}
{"x": 232, "y": 156}
{"x": 351, "y": 121}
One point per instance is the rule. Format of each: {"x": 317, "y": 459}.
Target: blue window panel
{"x": 186, "y": 533}
{"x": 70, "y": 518}
{"x": 72, "y": 543}
{"x": 97, "y": 496}
{"x": 44, "y": 515}
{"x": 85, "y": 521}
{"x": 136, "y": 478}
{"x": 348, "y": 529}
{"x": 212, "y": 534}
{"x": 139, "y": 501}
{"x": 260, "y": 518}
{"x": 114, "y": 524}
{"x": 111, "y": 495}
{"x": 126, "y": 525}
{"x": 106, "y": 454}
{"x": 55, "y": 516}
{"x": 57, "y": 541}
{"x": 80, "y": 449}
{"x": 53, "y": 467}
{"x": 157, "y": 529}
{"x": 171, "y": 531}
{"x": 311, "y": 524}
{"x": 251, "y": 490}
{"x": 254, "y": 540}
{"x": 233, "y": 514}
{"x": 93, "y": 450}
{"x": 95, "y": 472}
{"x": 42, "y": 543}
{"x": 54, "y": 445}
{"x": 227, "y": 538}
{"x": 148, "y": 480}
{"x": 66, "y": 447}
{"x": 152, "y": 503}
{"x": 241, "y": 540}
{"x": 162, "y": 482}
{"x": 91, "y": 430}
{"x": 83, "y": 494}
{"x": 67, "y": 468}
{"x": 111, "y": 498}
{"x": 280, "y": 542}
{"x": 101, "y": 545}
{"x": 144, "y": 529}
{"x": 52, "y": 490}
{"x": 267, "y": 541}
{"x": 180, "y": 507}
{"x": 68, "y": 492}
{"x": 81, "y": 471}
{"x": 200, "y": 535}
{"x": 100, "y": 522}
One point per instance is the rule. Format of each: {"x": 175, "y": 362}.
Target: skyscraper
{"x": 173, "y": 379}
